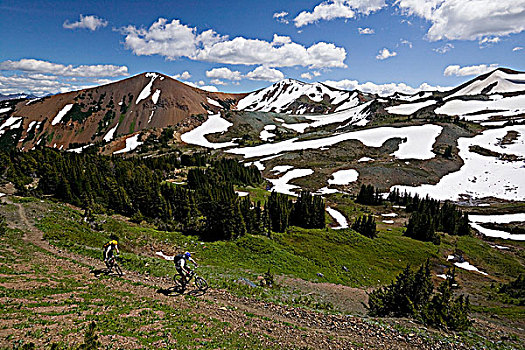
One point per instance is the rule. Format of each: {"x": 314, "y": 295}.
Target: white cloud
{"x": 224, "y": 73}
{"x": 217, "y": 82}
{"x": 86, "y": 22}
{"x": 280, "y": 17}
{"x": 444, "y": 49}
{"x": 468, "y": 19}
{"x": 316, "y": 73}
{"x": 45, "y": 67}
{"x": 517, "y": 48}
{"x": 333, "y": 9}
{"x": 40, "y": 84}
{"x": 385, "y": 53}
{"x": 487, "y": 42}
{"x": 365, "y": 31}
{"x": 184, "y": 75}
{"x": 406, "y": 42}
{"x": 306, "y": 76}
{"x": 381, "y": 89}
{"x": 266, "y": 74}
{"x": 468, "y": 70}
{"x": 281, "y": 40}
{"x": 198, "y": 85}
{"x": 174, "y": 40}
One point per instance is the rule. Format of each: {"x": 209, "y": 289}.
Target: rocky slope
{"x": 148, "y": 100}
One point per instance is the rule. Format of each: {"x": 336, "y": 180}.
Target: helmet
{"x": 187, "y": 254}
{"x": 113, "y": 242}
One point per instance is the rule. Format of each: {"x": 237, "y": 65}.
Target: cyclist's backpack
{"x": 178, "y": 259}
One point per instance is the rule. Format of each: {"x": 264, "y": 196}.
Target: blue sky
{"x": 375, "y": 45}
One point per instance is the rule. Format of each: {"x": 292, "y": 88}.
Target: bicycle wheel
{"x": 201, "y": 284}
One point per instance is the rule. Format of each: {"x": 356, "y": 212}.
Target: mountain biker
{"x": 110, "y": 249}
{"x": 181, "y": 264}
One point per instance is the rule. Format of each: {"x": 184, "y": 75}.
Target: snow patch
{"x": 241, "y": 193}
{"x": 281, "y": 184}
{"x": 150, "y": 116}
{"x": 147, "y": 89}
{"x": 265, "y": 134}
{"x": 131, "y": 144}
{"x": 467, "y": 266}
{"x": 344, "y": 177}
{"x": 165, "y": 257}
{"x": 4, "y": 110}
{"x": 109, "y": 136}
{"x": 155, "y": 96}
{"x": 213, "y": 102}
{"x": 365, "y": 159}
{"x": 79, "y": 149}
{"x": 213, "y": 125}
{"x": 61, "y": 114}
{"x": 339, "y": 217}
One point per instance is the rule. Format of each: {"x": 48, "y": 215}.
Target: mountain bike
{"x": 112, "y": 264}
{"x": 200, "y": 282}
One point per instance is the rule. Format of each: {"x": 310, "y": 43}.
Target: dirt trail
{"x": 310, "y": 329}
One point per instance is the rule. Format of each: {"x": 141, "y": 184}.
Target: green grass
{"x": 155, "y": 325}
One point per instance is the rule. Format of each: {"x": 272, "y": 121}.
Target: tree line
{"x": 206, "y": 205}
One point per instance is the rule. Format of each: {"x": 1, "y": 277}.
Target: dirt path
{"x": 289, "y": 326}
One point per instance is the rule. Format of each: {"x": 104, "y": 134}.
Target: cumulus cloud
{"x": 381, "y": 89}
{"x": 45, "y": 67}
{"x": 224, "y": 73}
{"x": 333, "y": 9}
{"x": 468, "y": 19}
{"x": 86, "y": 22}
{"x": 517, "y": 48}
{"x": 365, "y": 31}
{"x": 444, "y": 49}
{"x": 306, "y": 75}
{"x": 266, "y": 74}
{"x": 184, "y": 75}
{"x": 456, "y": 70}
{"x": 281, "y": 17}
{"x": 385, "y": 53}
{"x": 174, "y": 40}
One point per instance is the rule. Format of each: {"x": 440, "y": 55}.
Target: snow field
{"x": 409, "y": 108}
{"x": 418, "y": 145}
{"x": 213, "y": 125}
{"x": 482, "y": 176}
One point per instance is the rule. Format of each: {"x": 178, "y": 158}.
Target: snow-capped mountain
{"x": 296, "y": 97}
{"x": 497, "y": 97}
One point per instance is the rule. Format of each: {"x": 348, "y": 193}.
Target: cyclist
{"x": 110, "y": 249}
{"x": 183, "y": 269}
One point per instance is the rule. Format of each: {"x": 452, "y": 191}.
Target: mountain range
{"x": 404, "y": 140}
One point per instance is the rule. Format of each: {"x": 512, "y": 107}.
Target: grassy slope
{"x": 298, "y": 252}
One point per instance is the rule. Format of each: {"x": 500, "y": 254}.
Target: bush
{"x": 412, "y": 295}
